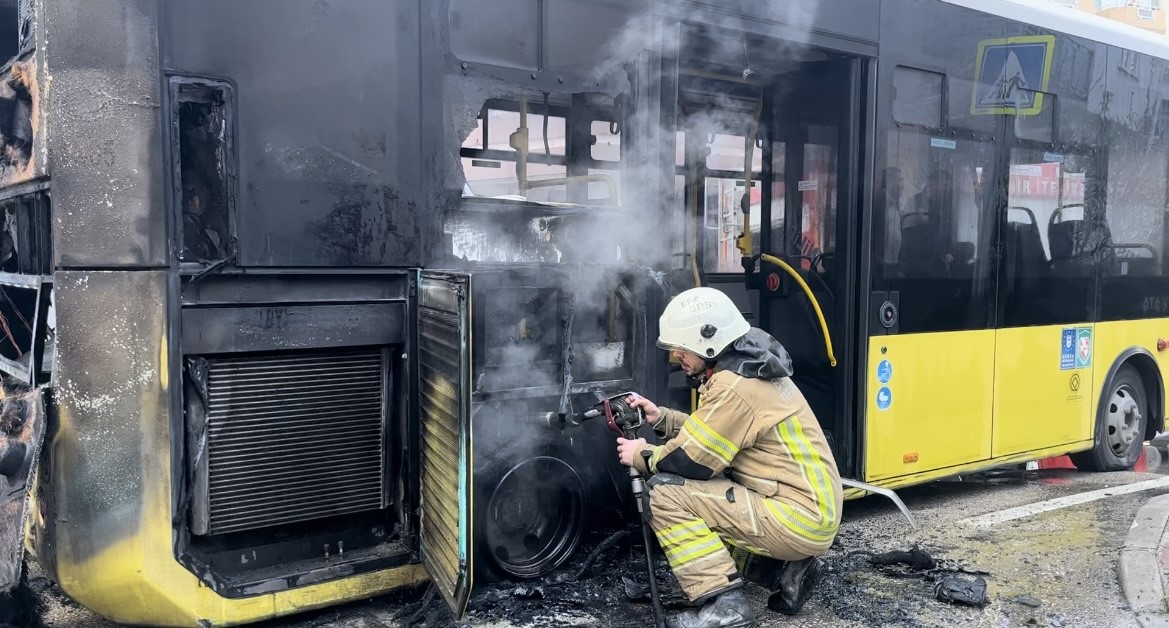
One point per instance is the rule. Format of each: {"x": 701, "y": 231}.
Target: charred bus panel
{"x": 244, "y": 196}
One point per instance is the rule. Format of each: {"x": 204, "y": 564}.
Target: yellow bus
{"x": 313, "y": 290}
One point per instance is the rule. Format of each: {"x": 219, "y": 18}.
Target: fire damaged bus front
{"x": 329, "y": 279}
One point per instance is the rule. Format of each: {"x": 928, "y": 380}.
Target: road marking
{"x": 1010, "y": 514}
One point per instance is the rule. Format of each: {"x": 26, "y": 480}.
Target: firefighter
{"x": 750, "y": 468}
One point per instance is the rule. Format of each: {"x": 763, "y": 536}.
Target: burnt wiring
{"x": 11, "y": 338}
{"x": 425, "y": 603}
{"x": 595, "y": 554}
{"x": 8, "y": 330}
{"x": 217, "y": 265}
{"x": 23, "y": 320}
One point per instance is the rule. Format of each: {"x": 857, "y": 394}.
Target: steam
{"x": 648, "y": 236}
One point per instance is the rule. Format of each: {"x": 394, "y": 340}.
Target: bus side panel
{"x": 107, "y": 470}
{"x": 929, "y": 405}
{"x": 1115, "y": 338}
{"x": 103, "y": 133}
{"x": 1043, "y": 387}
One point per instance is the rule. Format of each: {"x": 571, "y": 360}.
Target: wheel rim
{"x": 1124, "y": 419}
{"x": 535, "y": 517}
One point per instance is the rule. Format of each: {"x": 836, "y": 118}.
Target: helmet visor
{"x": 668, "y": 346}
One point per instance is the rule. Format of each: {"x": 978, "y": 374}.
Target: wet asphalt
{"x": 1056, "y": 568}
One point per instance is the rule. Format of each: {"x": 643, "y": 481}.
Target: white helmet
{"x": 702, "y": 320}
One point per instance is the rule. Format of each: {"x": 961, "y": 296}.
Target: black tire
{"x": 1120, "y": 424}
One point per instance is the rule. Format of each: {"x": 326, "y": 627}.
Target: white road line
{"x": 1010, "y": 514}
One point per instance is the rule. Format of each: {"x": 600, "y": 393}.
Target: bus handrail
{"x": 811, "y": 297}
{"x": 614, "y": 195}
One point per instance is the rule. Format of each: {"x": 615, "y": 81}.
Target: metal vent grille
{"x": 440, "y": 353}
{"x": 293, "y": 438}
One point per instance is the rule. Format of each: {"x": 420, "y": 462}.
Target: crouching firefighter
{"x": 750, "y": 468}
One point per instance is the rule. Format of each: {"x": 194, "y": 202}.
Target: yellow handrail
{"x": 811, "y": 297}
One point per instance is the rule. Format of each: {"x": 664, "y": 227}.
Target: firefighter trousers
{"x": 695, "y": 520}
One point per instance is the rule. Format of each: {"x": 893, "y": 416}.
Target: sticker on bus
{"x": 884, "y": 398}
{"x": 1075, "y": 348}
{"x": 884, "y": 371}
{"x": 1083, "y": 347}
{"x": 1012, "y": 75}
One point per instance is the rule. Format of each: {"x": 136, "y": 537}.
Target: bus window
{"x": 489, "y": 161}
{"x": 539, "y": 174}
{"x": 722, "y": 214}
{"x": 1133, "y": 271}
{"x": 1047, "y": 269}
{"x": 202, "y": 124}
{"x": 932, "y": 231}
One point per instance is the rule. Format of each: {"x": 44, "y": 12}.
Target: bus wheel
{"x": 1120, "y": 425}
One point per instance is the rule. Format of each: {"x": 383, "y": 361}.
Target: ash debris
{"x": 605, "y": 585}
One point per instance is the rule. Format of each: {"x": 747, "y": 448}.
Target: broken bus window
{"x": 204, "y": 174}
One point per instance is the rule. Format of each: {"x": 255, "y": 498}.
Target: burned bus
{"x": 311, "y": 290}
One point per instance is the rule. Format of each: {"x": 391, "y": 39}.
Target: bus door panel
{"x": 444, "y": 385}
{"x": 929, "y": 402}
{"x": 929, "y": 378}
{"x": 1047, "y": 287}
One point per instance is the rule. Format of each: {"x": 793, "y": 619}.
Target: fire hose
{"x": 626, "y": 420}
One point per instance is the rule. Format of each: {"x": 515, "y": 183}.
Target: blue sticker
{"x": 884, "y": 371}
{"x": 1067, "y": 350}
{"x": 884, "y": 398}
{"x": 1083, "y": 347}
{"x": 938, "y": 142}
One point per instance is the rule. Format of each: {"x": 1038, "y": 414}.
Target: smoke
{"x": 648, "y": 238}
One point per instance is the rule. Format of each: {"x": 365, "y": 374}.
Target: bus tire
{"x": 1120, "y": 424}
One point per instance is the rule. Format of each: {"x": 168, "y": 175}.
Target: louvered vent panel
{"x": 439, "y": 355}
{"x": 294, "y": 438}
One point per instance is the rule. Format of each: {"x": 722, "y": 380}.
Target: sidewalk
{"x": 1144, "y": 560}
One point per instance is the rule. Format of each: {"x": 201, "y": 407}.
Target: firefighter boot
{"x": 728, "y": 610}
{"x": 795, "y": 585}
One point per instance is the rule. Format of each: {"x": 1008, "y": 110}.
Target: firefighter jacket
{"x": 754, "y": 425}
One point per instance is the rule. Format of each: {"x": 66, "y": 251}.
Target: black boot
{"x": 727, "y": 610}
{"x": 795, "y": 585}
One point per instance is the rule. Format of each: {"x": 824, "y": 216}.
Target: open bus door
{"x": 444, "y": 345}
{"x": 814, "y": 126}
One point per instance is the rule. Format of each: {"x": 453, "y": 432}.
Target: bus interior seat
{"x": 1134, "y": 263}
{"x": 1024, "y": 250}
{"x": 1067, "y": 254}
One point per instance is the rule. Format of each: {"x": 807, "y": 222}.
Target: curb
{"x": 1140, "y": 565}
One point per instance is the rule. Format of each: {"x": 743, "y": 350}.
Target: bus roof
{"x": 1073, "y": 22}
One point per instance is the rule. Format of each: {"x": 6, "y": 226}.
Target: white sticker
{"x": 807, "y": 186}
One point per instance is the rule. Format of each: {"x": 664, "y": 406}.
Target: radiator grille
{"x": 440, "y": 355}
{"x": 294, "y": 438}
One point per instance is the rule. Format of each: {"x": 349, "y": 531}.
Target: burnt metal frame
{"x": 35, "y": 373}
{"x": 174, "y": 88}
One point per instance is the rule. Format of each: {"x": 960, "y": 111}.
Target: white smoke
{"x": 650, "y": 230}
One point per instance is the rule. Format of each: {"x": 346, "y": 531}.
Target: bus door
{"x": 1043, "y": 357}
{"x": 930, "y": 372}
{"x": 815, "y": 123}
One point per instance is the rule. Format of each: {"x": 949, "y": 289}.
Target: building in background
{"x": 1146, "y": 14}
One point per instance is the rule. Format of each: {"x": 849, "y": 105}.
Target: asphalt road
{"x": 1053, "y": 568}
